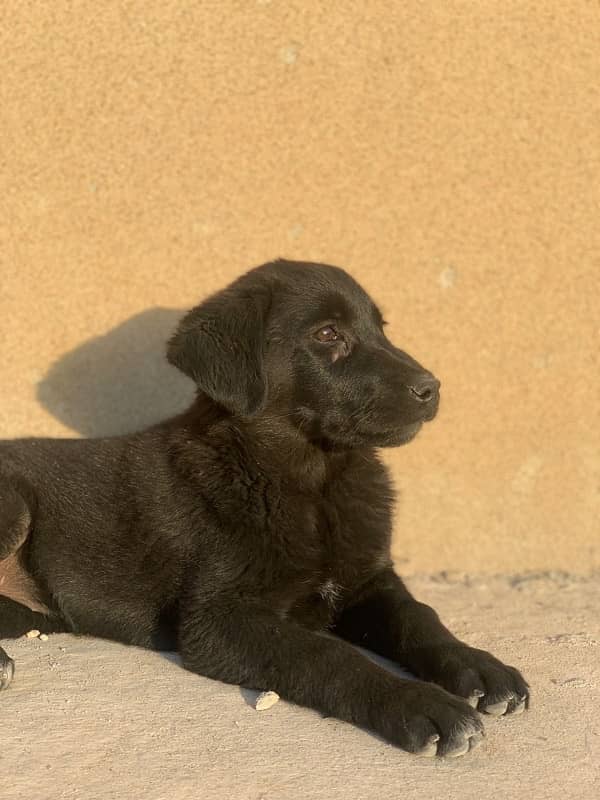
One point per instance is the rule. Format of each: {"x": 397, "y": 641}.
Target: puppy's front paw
{"x": 485, "y": 682}
{"x": 428, "y": 721}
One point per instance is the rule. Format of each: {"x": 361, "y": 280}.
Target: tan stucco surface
{"x": 447, "y": 154}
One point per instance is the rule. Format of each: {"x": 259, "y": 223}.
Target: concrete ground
{"x": 90, "y": 719}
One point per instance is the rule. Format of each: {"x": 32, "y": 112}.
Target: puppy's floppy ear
{"x": 221, "y": 344}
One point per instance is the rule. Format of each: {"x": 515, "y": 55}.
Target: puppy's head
{"x": 304, "y": 341}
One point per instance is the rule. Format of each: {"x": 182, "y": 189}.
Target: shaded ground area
{"x": 92, "y": 719}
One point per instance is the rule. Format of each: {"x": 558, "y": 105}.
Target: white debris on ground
{"x": 265, "y": 700}
{"x": 35, "y": 634}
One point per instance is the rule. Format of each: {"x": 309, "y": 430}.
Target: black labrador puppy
{"x": 252, "y": 532}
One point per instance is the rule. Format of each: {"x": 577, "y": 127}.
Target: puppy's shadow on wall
{"x": 119, "y": 382}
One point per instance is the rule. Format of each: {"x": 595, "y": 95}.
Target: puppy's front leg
{"x": 384, "y": 617}
{"x": 241, "y": 643}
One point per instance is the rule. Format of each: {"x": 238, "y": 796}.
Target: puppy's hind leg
{"x": 17, "y": 506}
{"x": 7, "y": 670}
{"x": 16, "y": 620}
{"x": 15, "y": 524}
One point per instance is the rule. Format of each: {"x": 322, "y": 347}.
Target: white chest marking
{"x": 329, "y": 591}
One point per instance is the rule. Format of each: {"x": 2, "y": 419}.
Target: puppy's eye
{"x": 327, "y": 334}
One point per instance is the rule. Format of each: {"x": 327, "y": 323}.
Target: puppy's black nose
{"x": 425, "y": 389}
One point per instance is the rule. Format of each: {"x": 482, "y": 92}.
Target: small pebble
{"x": 44, "y": 637}
{"x": 32, "y": 634}
{"x": 266, "y": 700}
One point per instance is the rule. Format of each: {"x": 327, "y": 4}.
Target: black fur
{"x": 252, "y": 532}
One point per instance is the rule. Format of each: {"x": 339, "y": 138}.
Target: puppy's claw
{"x": 460, "y": 751}
{"x": 476, "y": 695}
{"x": 497, "y": 709}
{"x": 7, "y": 671}
{"x": 469, "y": 744}
{"x": 430, "y": 749}
{"x": 475, "y": 740}
{"x": 519, "y": 709}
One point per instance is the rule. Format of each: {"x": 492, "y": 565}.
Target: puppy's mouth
{"x": 407, "y": 433}
{"x": 379, "y": 436}
{"x": 398, "y": 436}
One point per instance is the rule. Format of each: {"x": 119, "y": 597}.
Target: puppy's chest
{"x": 314, "y": 564}
{"x": 310, "y": 546}
{"x": 307, "y": 533}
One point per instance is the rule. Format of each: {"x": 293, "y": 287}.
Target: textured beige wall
{"x": 447, "y": 153}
